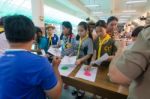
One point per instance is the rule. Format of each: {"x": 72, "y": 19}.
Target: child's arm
{"x": 83, "y": 59}
{"x": 94, "y": 56}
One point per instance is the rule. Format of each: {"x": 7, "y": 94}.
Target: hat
{"x": 50, "y": 26}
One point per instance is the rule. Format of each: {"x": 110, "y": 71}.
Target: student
{"x": 51, "y": 36}
{"x": 103, "y": 44}
{"x": 112, "y": 26}
{"x": 40, "y": 39}
{"x": 68, "y": 39}
{"x": 84, "y": 51}
{"x": 85, "y": 45}
{"x": 132, "y": 67}
{"x": 24, "y": 75}
{"x": 91, "y": 25}
{"x": 3, "y": 41}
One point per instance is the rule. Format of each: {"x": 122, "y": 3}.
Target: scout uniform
{"x": 106, "y": 45}
{"x": 85, "y": 47}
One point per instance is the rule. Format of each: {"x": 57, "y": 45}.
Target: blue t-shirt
{"x": 24, "y": 75}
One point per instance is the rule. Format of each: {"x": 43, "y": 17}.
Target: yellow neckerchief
{"x": 1, "y": 29}
{"x": 50, "y": 40}
{"x": 101, "y": 42}
{"x": 80, "y": 43}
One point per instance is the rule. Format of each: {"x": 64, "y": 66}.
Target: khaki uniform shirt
{"x": 135, "y": 64}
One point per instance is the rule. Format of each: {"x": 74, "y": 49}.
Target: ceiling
{"x": 56, "y": 11}
{"x": 125, "y": 10}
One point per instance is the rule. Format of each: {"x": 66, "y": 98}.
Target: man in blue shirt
{"x": 24, "y": 75}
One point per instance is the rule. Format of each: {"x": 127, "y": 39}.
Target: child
{"x": 84, "y": 50}
{"x": 103, "y": 44}
{"x": 40, "y": 41}
{"x": 52, "y": 39}
{"x": 85, "y": 45}
{"x": 68, "y": 40}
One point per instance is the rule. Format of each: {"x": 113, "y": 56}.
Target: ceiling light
{"x": 136, "y": 1}
{"x": 129, "y": 11}
{"x": 92, "y": 5}
{"x": 97, "y": 12}
{"x": 125, "y": 16}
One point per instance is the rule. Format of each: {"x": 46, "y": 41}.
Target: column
{"x": 38, "y": 13}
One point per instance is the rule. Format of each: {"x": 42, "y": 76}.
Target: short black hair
{"x": 91, "y": 23}
{"x": 19, "y": 29}
{"x": 101, "y": 23}
{"x": 67, "y": 25}
{"x": 136, "y": 31}
{"x": 37, "y": 29}
{"x": 112, "y": 18}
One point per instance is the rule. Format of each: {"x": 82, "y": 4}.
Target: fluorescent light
{"x": 129, "y": 11}
{"x": 92, "y": 5}
{"x": 125, "y": 16}
{"x": 97, "y": 12}
{"x": 136, "y": 1}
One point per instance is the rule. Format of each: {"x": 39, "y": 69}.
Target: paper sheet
{"x": 65, "y": 70}
{"x": 43, "y": 52}
{"x": 68, "y": 60}
{"x": 101, "y": 59}
{"x": 87, "y": 75}
{"x": 54, "y": 51}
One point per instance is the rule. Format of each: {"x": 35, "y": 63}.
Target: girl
{"x": 85, "y": 44}
{"x": 68, "y": 39}
{"x": 103, "y": 44}
{"x": 84, "y": 50}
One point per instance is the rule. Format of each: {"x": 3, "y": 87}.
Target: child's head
{"x": 66, "y": 28}
{"x": 38, "y": 33}
{"x": 83, "y": 29}
{"x": 100, "y": 28}
{"x": 50, "y": 29}
{"x": 136, "y": 31}
{"x": 112, "y": 24}
{"x": 91, "y": 26}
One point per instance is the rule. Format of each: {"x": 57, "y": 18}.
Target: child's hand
{"x": 78, "y": 62}
{"x": 56, "y": 61}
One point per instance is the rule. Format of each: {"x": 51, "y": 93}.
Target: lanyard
{"x": 101, "y": 42}
{"x": 80, "y": 43}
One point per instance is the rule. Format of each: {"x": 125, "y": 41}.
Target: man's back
{"x": 135, "y": 64}
{"x": 24, "y": 75}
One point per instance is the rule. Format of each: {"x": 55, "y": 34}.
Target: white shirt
{"x": 3, "y": 42}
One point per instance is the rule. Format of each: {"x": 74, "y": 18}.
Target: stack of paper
{"x": 54, "y": 51}
{"x": 67, "y": 65}
{"x": 89, "y": 75}
{"x": 101, "y": 59}
{"x": 68, "y": 60}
